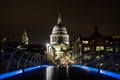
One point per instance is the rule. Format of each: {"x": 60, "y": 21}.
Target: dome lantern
{"x": 59, "y": 28}
{"x": 59, "y": 19}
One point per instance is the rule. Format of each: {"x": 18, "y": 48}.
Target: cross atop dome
{"x": 59, "y": 19}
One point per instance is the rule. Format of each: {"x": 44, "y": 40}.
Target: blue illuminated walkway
{"x": 76, "y": 72}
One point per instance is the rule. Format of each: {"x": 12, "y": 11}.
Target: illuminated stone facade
{"x": 59, "y": 34}
{"x": 59, "y": 42}
{"x": 25, "y": 38}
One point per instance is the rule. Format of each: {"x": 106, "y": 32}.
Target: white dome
{"x": 59, "y": 29}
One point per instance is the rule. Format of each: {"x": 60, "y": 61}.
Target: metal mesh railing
{"x": 13, "y": 58}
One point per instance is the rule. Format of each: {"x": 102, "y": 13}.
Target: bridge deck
{"x": 60, "y": 73}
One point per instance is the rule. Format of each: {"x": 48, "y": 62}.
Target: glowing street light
{"x": 47, "y": 49}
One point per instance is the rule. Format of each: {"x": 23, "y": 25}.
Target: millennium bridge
{"x": 16, "y": 64}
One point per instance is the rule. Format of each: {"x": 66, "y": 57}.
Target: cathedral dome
{"x": 59, "y": 34}
{"x": 59, "y": 29}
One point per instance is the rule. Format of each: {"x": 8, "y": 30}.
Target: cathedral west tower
{"x": 25, "y": 38}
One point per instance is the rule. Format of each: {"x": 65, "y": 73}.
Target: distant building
{"x": 59, "y": 43}
{"x": 25, "y": 39}
{"x": 36, "y": 48}
{"x": 97, "y": 42}
{"x": 2, "y": 41}
{"x": 2, "y": 38}
{"x": 95, "y": 46}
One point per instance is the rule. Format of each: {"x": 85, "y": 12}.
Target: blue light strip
{"x": 9, "y": 74}
{"x": 35, "y": 67}
{"x": 13, "y": 73}
{"x": 87, "y": 68}
{"x": 108, "y": 73}
{"x": 30, "y": 68}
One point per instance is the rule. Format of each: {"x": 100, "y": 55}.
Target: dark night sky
{"x": 38, "y": 18}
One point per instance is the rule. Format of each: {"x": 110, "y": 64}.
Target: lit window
{"x": 3, "y": 40}
{"x": 99, "y": 48}
{"x": 111, "y": 42}
{"x": 86, "y": 48}
{"x": 106, "y": 41}
{"x": 85, "y": 42}
{"x": 116, "y": 37}
{"x": 97, "y": 57}
{"x": 93, "y": 40}
{"x": 109, "y": 49}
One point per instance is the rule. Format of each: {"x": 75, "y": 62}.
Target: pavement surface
{"x": 60, "y": 73}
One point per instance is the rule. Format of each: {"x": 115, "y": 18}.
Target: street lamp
{"x": 47, "y": 48}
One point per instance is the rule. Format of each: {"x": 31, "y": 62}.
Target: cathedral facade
{"x": 59, "y": 43}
